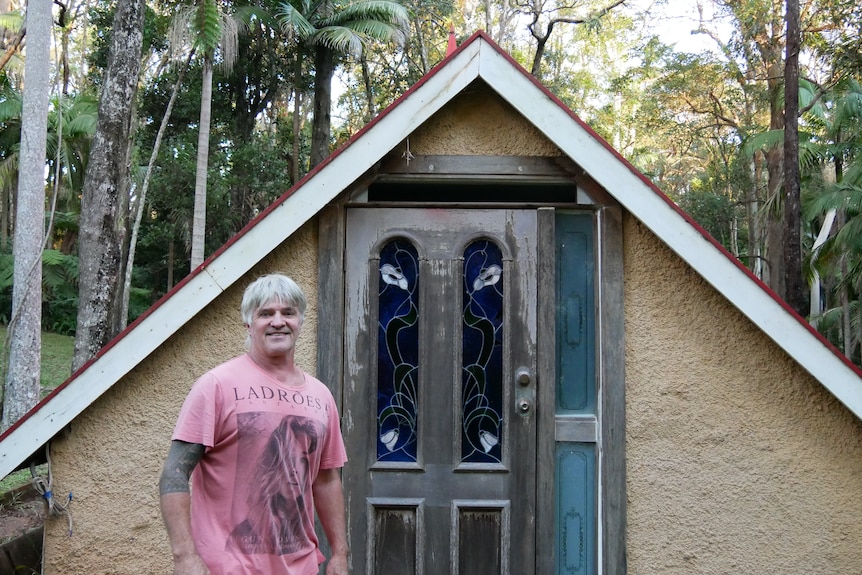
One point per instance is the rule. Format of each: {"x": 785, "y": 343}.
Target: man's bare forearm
{"x": 329, "y": 504}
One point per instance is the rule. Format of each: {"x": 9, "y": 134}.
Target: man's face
{"x": 274, "y": 329}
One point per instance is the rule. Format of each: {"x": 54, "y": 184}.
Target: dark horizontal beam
{"x": 526, "y": 166}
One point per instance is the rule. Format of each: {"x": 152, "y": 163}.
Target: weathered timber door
{"x": 439, "y": 391}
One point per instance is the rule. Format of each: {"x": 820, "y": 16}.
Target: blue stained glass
{"x": 482, "y": 374}
{"x": 397, "y": 352}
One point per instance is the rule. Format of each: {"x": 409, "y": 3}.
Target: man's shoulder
{"x": 226, "y": 371}
{"x": 316, "y": 385}
{"x": 238, "y": 362}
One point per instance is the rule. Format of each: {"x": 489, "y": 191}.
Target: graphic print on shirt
{"x": 274, "y": 481}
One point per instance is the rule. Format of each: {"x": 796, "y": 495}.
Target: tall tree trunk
{"x": 297, "y": 136}
{"x": 504, "y": 22}
{"x": 423, "y": 49}
{"x": 369, "y": 92}
{"x": 773, "y": 273}
{"x": 844, "y": 298}
{"x": 775, "y": 228}
{"x": 22, "y": 388}
{"x": 297, "y": 123}
{"x": 734, "y": 235}
{"x": 5, "y": 210}
{"x": 488, "y": 18}
{"x": 65, "y": 29}
{"x": 105, "y": 196}
{"x": 324, "y": 69}
{"x": 814, "y": 287}
{"x": 752, "y": 206}
{"x": 171, "y": 261}
{"x": 792, "y": 205}
{"x": 831, "y": 174}
{"x": 199, "y": 219}
{"x": 541, "y": 41}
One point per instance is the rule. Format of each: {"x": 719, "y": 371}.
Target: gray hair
{"x": 272, "y": 287}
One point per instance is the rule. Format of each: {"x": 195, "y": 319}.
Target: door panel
{"x": 439, "y": 401}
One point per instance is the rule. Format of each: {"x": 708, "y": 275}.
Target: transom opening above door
{"x": 473, "y": 192}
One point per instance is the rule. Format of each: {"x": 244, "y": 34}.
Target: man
{"x": 261, "y": 442}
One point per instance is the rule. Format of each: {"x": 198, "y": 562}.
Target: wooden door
{"x": 439, "y": 391}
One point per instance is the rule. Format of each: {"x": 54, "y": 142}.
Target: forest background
{"x": 167, "y": 125}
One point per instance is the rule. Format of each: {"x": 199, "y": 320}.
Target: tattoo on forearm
{"x": 179, "y": 464}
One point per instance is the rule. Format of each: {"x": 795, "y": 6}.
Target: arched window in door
{"x": 482, "y": 353}
{"x": 398, "y": 352}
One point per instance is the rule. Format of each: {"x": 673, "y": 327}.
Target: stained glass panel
{"x": 482, "y": 367}
{"x": 397, "y": 352}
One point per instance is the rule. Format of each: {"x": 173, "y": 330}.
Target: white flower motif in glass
{"x": 487, "y": 277}
{"x": 392, "y": 276}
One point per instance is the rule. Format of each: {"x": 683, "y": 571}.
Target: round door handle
{"x": 523, "y": 376}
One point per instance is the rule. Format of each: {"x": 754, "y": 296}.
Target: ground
{"x": 20, "y": 511}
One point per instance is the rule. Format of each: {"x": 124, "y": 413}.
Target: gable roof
{"x": 478, "y": 58}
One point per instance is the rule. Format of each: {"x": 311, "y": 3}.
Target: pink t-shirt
{"x": 252, "y": 504}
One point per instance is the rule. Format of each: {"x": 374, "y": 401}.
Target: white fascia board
{"x": 664, "y": 221}
{"x": 52, "y": 416}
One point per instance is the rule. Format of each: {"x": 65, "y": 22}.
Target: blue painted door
{"x": 576, "y": 413}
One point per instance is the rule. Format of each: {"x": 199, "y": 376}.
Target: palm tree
{"x": 209, "y": 30}
{"x": 330, "y": 28}
{"x": 836, "y": 255}
{"x": 72, "y": 121}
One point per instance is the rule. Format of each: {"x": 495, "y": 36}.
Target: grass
{"x": 15, "y": 480}
{"x": 57, "y": 353}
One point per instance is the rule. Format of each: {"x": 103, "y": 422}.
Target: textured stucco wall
{"x": 112, "y": 457}
{"x": 478, "y": 122}
{"x": 737, "y": 460}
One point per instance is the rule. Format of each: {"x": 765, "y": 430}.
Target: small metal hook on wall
{"x": 407, "y": 155}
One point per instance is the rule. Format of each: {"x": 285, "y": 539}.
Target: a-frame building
{"x": 635, "y": 400}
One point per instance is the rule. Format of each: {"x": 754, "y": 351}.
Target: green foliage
{"x": 71, "y": 118}
{"x": 12, "y": 20}
{"x": 101, "y": 16}
{"x": 393, "y": 71}
{"x": 208, "y": 25}
{"x": 258, "y": 175}
{"x": 59, "y": 290}
{"x": 345, "y": 27}
{"x": 715, "y": 212}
